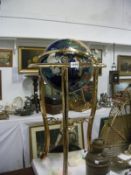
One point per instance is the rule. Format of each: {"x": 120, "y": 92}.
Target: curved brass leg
{"x": 93, "y": 110}
{"x": 45, "y": 120}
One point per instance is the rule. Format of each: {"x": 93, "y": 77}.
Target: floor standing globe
{"x": 67, "y": 51}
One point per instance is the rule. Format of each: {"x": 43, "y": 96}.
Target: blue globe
{"x": 67, "y": 51}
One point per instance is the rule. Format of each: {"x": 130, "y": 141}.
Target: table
{"x": 12, "y": 142}
{"x": 76, "y": 164}
{"x": 14, "y": 137}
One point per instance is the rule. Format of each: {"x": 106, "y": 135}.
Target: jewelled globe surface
{"x": 77, "y": 76}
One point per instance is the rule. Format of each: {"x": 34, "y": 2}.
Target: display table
{"x": 76, "y": 164}
{"x": 14, "y": 137}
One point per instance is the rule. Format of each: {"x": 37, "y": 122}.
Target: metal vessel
{"x": 97, "y": 163}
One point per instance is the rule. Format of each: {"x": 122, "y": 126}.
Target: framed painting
{"x": 98, "y": 54}
{"x": 124, "y": 65}
{"x": 6, "y": 57}
{"x": 26, "y": 56}
{"x": 36, "y": 133}
{"x": 123, "y": 85}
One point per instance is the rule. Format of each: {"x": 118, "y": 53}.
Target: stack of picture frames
{"x": 36, "y": 133}
{"x": 6, "y": 56}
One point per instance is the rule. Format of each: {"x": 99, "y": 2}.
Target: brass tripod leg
{"x": 65, "y": 118}
{"x": 45, "y": 120}
{"x": 93, "y": 110}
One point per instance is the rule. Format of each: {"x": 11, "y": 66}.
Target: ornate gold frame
{"x": 124, "y": 65}
{"x": 26, "y": 56}
{"x": 38, "y": 128}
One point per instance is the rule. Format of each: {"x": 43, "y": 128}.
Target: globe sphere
{"x": 67, "y": 51}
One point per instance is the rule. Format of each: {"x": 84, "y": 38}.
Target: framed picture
{"x": 0, "y": 86}
{"x": 5, "y": 58}
{"x": 98, "y": 54}
{"x": 28, "y": 55}
{"x": 123, "y": 84}
{"x": 36, "y": 133}
{"x": 124, "y": 65}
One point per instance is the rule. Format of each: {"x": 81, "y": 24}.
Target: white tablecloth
{"x": 12, "y": 141}
{"x": 14, "y": 137}
{"x": 76, "y": 164}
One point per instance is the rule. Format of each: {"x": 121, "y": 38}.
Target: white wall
{"x": 13, "y": 83}
{"x": 107, "y": 22}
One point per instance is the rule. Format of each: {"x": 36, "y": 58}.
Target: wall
{"x": 13, "y": 83}
{"x": 107, "y": 21}
{"x": 36, "y": 23}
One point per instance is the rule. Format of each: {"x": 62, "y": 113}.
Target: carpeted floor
{"x": 26, "y": 171}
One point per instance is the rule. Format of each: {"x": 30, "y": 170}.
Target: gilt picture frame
{"x": 6, "y": 56}
{"x": 26, "y": 56}
{"x": 124, "y": 65}
{"x": 36, "y": 133}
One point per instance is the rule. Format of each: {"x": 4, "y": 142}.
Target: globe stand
{"x": 64, "y": 86}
